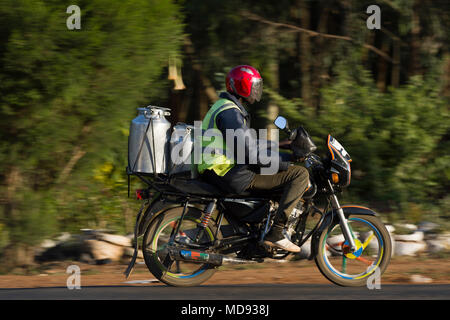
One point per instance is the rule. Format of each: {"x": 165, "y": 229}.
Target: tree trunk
{"x": 382, "y": 67}
{"x": 272, "y": 108}
{"x": 365, "y": 57}
{"x": 196, "y": 66}
{"x": 305, "y": 52}
{"x": 320, "y": 73}
{"x": 414, "y": 62}
{"x": 395, "y": 76}
{"x": 175, "y": 104}
{"x": 446, "y": 78}
{"x": 202, "y": 98}
{"x": 13, "y": 254}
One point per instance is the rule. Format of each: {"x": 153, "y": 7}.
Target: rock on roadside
{"x": 417, "y": 278}
{"x": 103, "y": 251}
{"x": 89, "y": 246}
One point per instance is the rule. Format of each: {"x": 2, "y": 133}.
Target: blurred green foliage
{"x": 394, "y": 138}
{"x": 66, "y": 99}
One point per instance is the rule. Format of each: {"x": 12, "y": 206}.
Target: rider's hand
{"x": 285, "y": 144}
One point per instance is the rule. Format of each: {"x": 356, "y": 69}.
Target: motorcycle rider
{"x": 244, "y": 86}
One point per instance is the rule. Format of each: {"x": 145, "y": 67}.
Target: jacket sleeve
{"x": 245, "y": 145}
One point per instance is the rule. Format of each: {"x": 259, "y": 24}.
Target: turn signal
{"x": 335, "y": 178}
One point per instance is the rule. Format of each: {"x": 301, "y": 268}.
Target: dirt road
{"x": 402, "y": 270}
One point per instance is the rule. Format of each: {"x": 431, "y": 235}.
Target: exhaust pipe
{"x": 204, "y": 257}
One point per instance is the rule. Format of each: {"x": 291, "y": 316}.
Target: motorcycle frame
{"x": 164, "y": 196}
{"x": 165, "y": 190}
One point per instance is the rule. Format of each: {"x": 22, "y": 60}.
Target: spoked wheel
{"x": 372, "y": 255}
{"x": 156, "y": 241}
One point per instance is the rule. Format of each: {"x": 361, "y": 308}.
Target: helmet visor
{"x": 257, "y": 88}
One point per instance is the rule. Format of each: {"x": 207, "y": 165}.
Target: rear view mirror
{"x": 281, "y": 123}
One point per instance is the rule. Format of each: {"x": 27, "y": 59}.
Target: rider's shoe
{"x": 280, "y": 240}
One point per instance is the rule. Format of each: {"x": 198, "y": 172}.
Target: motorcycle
{"x": 189, "y": 227}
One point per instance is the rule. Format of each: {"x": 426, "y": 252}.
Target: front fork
{"x": 342, "y": 221}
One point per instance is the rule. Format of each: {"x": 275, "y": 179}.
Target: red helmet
{"x": 246, "y": 82}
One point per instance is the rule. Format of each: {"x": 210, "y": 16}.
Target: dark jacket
{"x": 240, "y": 176}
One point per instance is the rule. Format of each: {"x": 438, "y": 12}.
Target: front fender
{"x": 353, "y": 209}
{"x": 331, "y": 219}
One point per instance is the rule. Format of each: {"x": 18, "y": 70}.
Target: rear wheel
{"x": 156, "y": 240}
{"x": 372, "y": 256}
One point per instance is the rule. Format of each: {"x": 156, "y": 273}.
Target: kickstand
{"x": 136, "y": 245}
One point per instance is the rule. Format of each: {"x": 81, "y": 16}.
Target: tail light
{"x": 142, "y": 194}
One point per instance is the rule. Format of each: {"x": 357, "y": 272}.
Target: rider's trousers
{"x": 293, "y": 182}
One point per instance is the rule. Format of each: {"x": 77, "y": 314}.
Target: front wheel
{"x": 372, "y": 255}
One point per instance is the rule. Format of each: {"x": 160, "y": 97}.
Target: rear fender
{"x": 157, "y": 207}
{"x": 153, "y": 207}
{"x": 331, "y": 219}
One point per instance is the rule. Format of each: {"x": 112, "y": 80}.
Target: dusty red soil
{"x": 54, "y": 275}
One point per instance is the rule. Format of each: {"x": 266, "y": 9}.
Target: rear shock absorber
{"x": 205, "y": 218}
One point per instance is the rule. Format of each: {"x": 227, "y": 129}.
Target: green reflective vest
{"x": 213, "y": 145}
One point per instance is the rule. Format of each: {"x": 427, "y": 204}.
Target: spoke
{"x": 366, "y": 243}
{"x": 172, "y": 233}
{"x": 344, "y": 264}
{"x": 369, "y": 263}
{"x": 173, "y": 224}
{"x": 178, "y": 269}
{"x": 339, "y": 244}
{"x": 334, "y": 246}
{"x": 167, "y": 262}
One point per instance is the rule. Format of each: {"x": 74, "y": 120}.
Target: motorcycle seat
{"x": 202, "y": 188}
{"x": 196, "y": 187}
